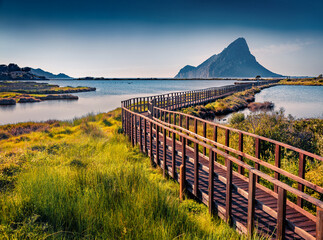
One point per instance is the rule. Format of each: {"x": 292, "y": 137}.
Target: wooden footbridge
{"x": 211, "y": 163}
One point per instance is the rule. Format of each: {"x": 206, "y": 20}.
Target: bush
{"x": 237, "y": 118}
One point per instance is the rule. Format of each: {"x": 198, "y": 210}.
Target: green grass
{"x": 83, "y": 180}
{"x": 317, "y": 81}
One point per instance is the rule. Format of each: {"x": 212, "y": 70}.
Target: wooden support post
{"x": 132, "y": 129}
{"x": 136, "y": 130}
{"x": 140, "y": 135}
{"x": 241, "y": 169}
{"x": 195, "y": 125}
{"x": 211, "y": 183}
{"x": 215, "y": 134}
{"x": 187, "y": 123}
{"x": 151, "y": 143}
{"x": 181, "y": 182}
{"x": 183, "y": 157}
{"x": 319, "y": 223}
{"x": 227, "y": 142}
{"x": 281, "y": 213}
{"x": 196, "y": 169}
{"x": 157, "y": 146}
{"x": 204, "y": 135}
{"x": 174, "y": 155}
{"x": 301, "y": 174}
{"x": 228, "y": 198}
{"x": 164, "y": 153}
{"x": 251, "y": 203}
{"x": 257, "y": 155}
{"x": 277, "y": 164}
{"x": 145, "y": 136}
{"x": 227, "y": 138}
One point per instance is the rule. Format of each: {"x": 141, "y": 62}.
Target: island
{"x": 12, "y": 92}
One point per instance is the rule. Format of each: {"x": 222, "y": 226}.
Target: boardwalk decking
{"x": 236, "y": 198}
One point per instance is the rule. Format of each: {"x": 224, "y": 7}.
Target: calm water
{"x": 299, "y": 101}
{"x": 108, "y": 96}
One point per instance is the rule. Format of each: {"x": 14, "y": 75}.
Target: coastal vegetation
{"x": 12, "y": 92}
{"x": 316, "y": 81}
{"x": 81, "y": 179}
{"x": 228, "y": 104}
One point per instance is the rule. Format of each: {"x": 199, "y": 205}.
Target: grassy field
{"x": 317, "y": 81}
{"x": 12, "y": 92}
{"x": 223, "y": 106}
{"x": 83, "y": 180}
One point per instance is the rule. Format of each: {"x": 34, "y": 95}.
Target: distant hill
{"x": 40, "y": 72}
{"x": 234, "y": 61}
{"x": 14, "y": 72}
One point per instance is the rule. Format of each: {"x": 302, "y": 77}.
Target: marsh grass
{"x": 83, "y": 180}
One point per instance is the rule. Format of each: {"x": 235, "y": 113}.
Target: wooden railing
{"x": 163, "y": 129}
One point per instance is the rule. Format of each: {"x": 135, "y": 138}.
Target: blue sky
{"x": 156, "y": 38}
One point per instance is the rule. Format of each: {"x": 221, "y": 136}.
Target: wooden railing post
{"x": 145, "y": 135}
{"x": 196, "y": 168}
{"x": 319, "y": 223}
{"x": 257, "y": 155}
{"x": 136, "y": 130}
{"x": 164, "y": 153}
{"x": 204, "y": 135}
{"x": 183, "y": 159}
{"x": 251, "y": 203}
{"x": 241, "y": 169}
{"x": 132, "y": 130}
{"x": 140, "y": 135}
{"x": 174, "y": 155}
{"x": 228, "y": 198}
{"x": 277, "y": 164}
{"x": 157, "y": 146}
{"x": 281, "y": 213}
{"x": 181, "y": 182}
{"x": 301, "y": 174}
{"x": 211, "y": 183}
{"x": 151, "y": 143}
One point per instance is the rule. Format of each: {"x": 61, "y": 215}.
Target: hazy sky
{"x": 127, "y": 38}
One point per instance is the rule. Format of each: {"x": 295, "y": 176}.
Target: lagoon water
{"x": 107, "y": 97}
{"x": 299, "y": 101}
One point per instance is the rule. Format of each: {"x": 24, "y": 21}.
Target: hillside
{"x": 14, "y": 72}
{"x": 234, "y": 61}
{"x": 49, "y": 75}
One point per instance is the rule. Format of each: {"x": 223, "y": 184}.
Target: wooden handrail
{"x": 238, "y": 162}
{"x": 162, "y": 122}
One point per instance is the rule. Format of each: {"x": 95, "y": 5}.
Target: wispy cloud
{"x": 284, "y": 48}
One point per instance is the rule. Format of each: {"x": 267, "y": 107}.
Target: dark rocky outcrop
{"x": 234, "y": 61}
{"x": 14, "y": 72}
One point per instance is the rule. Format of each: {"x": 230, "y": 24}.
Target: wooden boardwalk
{"x": 236, "y": 196}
